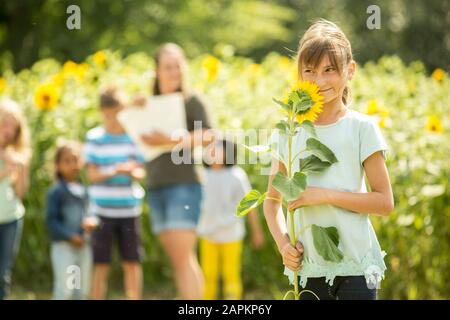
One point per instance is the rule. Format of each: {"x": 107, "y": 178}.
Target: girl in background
{"x": 69, "y": 226}
{"x": 221, "y": 232}
{"x": 14, "y": 160}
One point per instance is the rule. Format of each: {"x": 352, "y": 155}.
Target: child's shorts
{"x": 175, "y": 207}
{"x": 343, "y": 288}
{"x": 126, "y": 231}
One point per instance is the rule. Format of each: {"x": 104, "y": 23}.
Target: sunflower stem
{"x": 291, "y": 212}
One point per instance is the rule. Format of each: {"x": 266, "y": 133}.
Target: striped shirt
{"x": 118, "y": 196}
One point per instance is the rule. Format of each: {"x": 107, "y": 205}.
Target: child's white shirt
{"x": 353, "y": 138}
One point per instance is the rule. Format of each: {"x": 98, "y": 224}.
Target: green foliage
{"x": 289, "y": 187}
{"x": 326, "y": 242}
{"x": 250, "y": 201}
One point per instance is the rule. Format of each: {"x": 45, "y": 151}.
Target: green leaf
{"x": 326, "y": 241}
{"x": 283, "y": 126}
{"x": 313, "y": 164}
{"x": 308, "y": 127}
{"x": 258, "y": 148}
{"x": 302, "y": 105}
{"x": 320, "y": 150}
{"x": 249, "y": 202}
{"x": 290, "y": 188}
{"x": 285, "y": 106}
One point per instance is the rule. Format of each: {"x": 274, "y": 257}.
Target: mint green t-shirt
{"x": 353, "y": 138}
{"x": 11, "y": 207}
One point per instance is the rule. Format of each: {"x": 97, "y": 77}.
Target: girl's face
{"x": 8, "y": 130}
{"x": 215, "y": 155}
{"x": 69, "y": 165}
{"x": 329, "y": 80}
{"x": 169, "y": 72}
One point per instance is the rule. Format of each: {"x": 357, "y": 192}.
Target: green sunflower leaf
{"x": 326, "y": 241}
{"x": 249, "y": 202}
{"x": 320, "y": 150}
{"x": 290, "y": 188}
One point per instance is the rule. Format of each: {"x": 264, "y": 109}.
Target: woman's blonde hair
{"x": 21, "y": 142}
{"x": 325, "y": 38}
{"x": 176, "y": 50}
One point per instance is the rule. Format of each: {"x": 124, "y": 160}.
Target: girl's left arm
{"x": 378, "y": 201}
{"x": 20, "y": 180}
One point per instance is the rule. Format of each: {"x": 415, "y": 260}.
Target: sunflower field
{"x": 410, "y": 105}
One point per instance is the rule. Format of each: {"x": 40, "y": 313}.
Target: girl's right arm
{"x": 277, "y": 224}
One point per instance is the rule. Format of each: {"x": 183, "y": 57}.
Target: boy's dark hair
{"x": 230, "y": 154}
{"x": 111, "y": 97}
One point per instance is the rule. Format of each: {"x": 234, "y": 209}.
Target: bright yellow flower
{"x": 78, "y": 71}
{"x": 374, "y": 108}
{"x": 70, "y": 67}
{"x": 382, "y": 123}
{"x": 2, "y": 85}
{"x": 434, "y": 124}
{"x": 211, "y": 65}
{"x": 46, "y": 96}
{"x": 438, "y": 74}
{"x": 99, "y": 58}
{"x": 310, "y": 91}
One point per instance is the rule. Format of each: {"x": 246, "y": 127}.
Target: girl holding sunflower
{"x": 336, "y": 197}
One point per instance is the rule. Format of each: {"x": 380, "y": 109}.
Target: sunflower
{"x": 99, "y": 58}
{"x": 2, "y": 84}
{"x": 434, "y": 124}
{"x": 211, "y": 65}
{"x": 75, "y": 70}
{"x": 305, "y": 95}
{"x": 46, "y": 96}
{"x": 438, "y": 74}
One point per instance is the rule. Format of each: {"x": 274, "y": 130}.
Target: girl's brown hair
{"x": 63, "y": 146}
{"x": 176, "y": 50}
{"x": 325, "y": 38}
{"x": 21, "y": 142}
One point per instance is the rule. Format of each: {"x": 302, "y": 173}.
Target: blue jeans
{"x": 10, "y": 234}
{"x": 175, "y": 207}
{"x": 71, "y": 271}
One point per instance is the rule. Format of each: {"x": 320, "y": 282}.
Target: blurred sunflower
{"x": 438, "y": 74}
{"x": 211, "y": 65}
{"x": 2, "y": 84}
{"x": 46, "y": 96}
{"x": 72, "y": 69}
{"x": 434, "y": 124}
{"x": 99, "y": 58}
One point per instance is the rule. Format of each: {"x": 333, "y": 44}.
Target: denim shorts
{"x": 175, "y": 207}
{"x": 343, "y": 288}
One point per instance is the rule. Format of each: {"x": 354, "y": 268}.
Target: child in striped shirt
{"x": 114, "y": 166}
